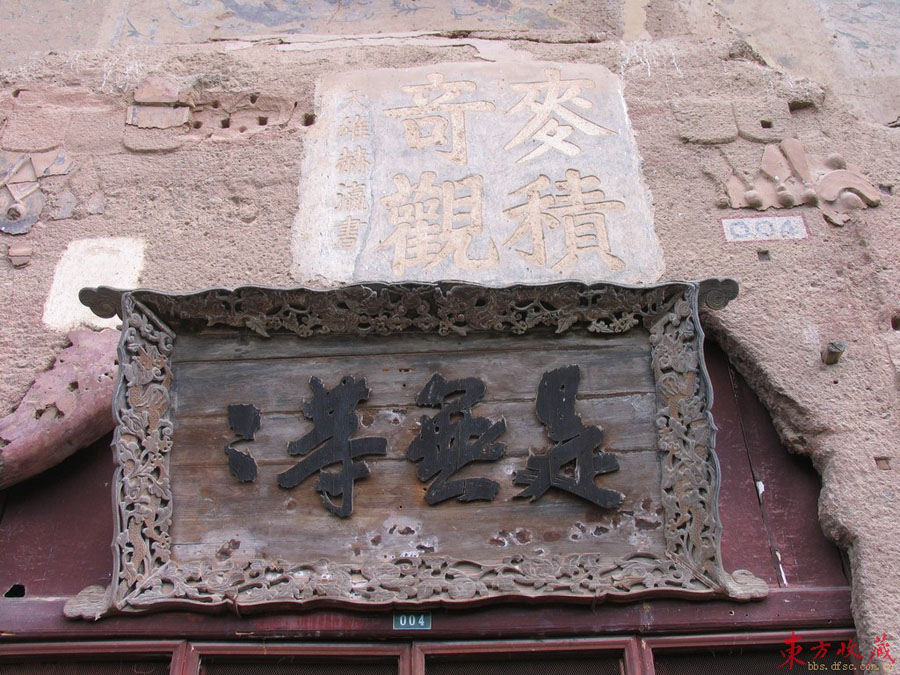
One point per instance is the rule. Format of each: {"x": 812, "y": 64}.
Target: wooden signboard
{"x": 412, "y": 445}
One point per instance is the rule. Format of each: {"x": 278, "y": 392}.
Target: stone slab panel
{"x": 104, "y": 261}
{"x": 493, "y": 173}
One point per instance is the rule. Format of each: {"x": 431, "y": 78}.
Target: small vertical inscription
{"x": 352, "y": 195}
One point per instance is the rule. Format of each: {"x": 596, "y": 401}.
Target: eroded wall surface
{"x": 184, "y": 145}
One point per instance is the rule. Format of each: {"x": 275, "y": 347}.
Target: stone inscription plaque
{"x": 486, "y": 172}
{"x": 389, "y": 445}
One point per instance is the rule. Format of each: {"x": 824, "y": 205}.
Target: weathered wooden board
{"x": 275, "y": 385}
{"x": 213, "y": 510}
{"x": 626, "y": 421}
{"x": 391, "y": 518}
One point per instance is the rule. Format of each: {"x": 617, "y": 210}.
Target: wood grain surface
{"x": 216, "y": 517}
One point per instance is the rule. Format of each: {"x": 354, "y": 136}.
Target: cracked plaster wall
{"x": 214, "y": 206}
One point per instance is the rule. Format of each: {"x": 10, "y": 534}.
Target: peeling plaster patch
{"x": 705, "y": 122}
{"x": 634, "y": 15}
{"x": 893, "y": 346}
{"x": 764, "y": 228}
{"x": 113, "y": 261}
{"x": 136, "y": 139}
{"x": 159, "y": 90}
{"x": 65, "y": 204}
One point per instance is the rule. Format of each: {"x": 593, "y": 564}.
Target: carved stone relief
{"x": 786, "y": 175}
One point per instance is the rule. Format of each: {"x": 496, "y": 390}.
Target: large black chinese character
{"x": 453, "y": 438}
{"x": 244, "y": 421}
{"x": 333, "y": 412}
{"x": 574, "y": 443}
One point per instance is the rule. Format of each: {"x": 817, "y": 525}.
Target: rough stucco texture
{"x": 214, "y": 205}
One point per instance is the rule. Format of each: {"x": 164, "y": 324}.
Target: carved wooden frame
{"x": 146, "y": 578}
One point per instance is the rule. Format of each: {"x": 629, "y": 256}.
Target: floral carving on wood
{"x": 146, "y": 577}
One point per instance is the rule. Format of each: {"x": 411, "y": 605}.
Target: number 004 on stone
{"x": 390, "y": 445}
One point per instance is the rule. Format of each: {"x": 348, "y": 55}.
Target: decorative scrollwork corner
{"x": 91, "y": 603}
{"x": 716, "y": 293}
{"x": 103, "y": 301}
{"x": 744, "y": 585}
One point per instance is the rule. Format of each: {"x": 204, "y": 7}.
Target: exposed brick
{"x": 705, "y": 122}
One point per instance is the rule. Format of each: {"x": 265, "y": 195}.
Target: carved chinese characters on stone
{"x": 436, "y": 221}
{"x": 454, "y": 438}
{"x": 355, "y": 126}
{"x": 353, "y": 163}
{"x": 575, "y": 208}
{"x": 347, "y": 232}
{"x": 333, "y": 412}
{"x": 573, "y": 463}
{"x": 438, "y": 118}
{"x": 352, "y": 197}
{"x": 489, "y": 172}
{"x": 244, "y": 421}
{"x": 544, "y": 126}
